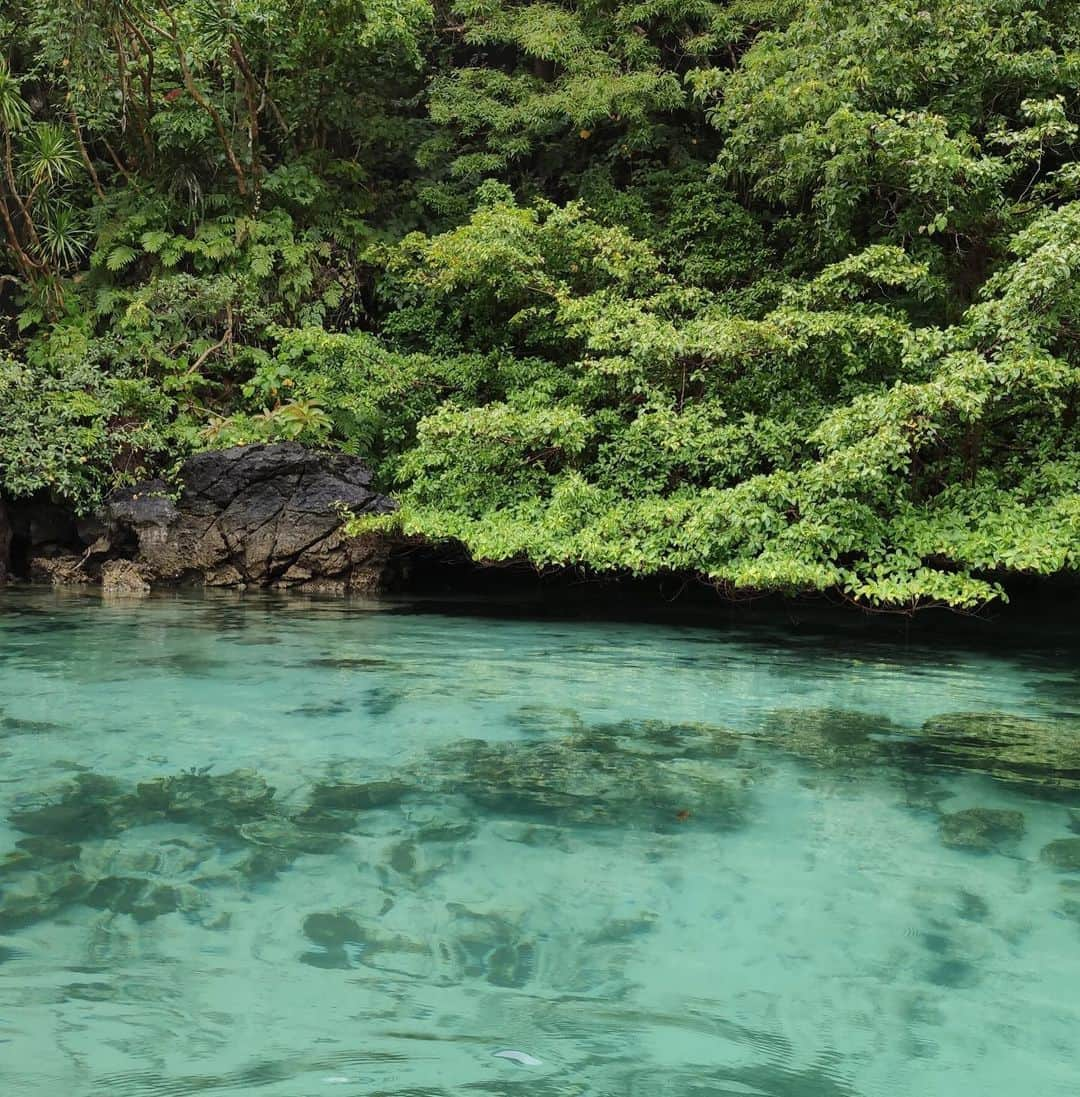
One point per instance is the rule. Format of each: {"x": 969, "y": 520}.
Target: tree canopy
{"x": 784, "y": 294}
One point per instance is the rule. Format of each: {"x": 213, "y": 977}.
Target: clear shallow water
{"x": 292, "y": 848}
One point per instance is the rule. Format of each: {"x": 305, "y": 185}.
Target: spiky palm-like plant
{"x": 14, "y": 110}
{"x": 49, "y": 155}
{"x": 64, "y": 236}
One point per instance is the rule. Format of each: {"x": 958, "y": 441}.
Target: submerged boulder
{"x": 1063, "y": 854}
{"x": 89, "y": 806}
{"x": 572, "y": 780}
{"x": 144, "y": 900}
{"x": 35, "y": 895}
{"x": 217, "y": 803}
{"x": 263, "y": 515}
{"x": 982, "y": 829}
{"x": 1012, "y": 748}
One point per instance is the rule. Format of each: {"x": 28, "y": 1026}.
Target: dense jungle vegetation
{"x": 781, "y": 293}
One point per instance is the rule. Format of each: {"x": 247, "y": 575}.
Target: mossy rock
{"x": 1063, "y": 854}
{"x": 1011, "y": 748}
{"x": 982, "y": 829}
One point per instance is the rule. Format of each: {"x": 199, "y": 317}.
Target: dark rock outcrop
{"x": 262, "y": 515}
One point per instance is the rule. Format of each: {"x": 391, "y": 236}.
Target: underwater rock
{"x": 16, "y": 725}
{"x": 836, "y": 739}
{"x": 617, "y": 930}
{"x": 142, "y": 899}
{"x": 15, "y": 861}
{"x": 1063, "y": 854}
{"x": 489, "y": 946}
{"x": 343, "y": 942}
{"x": 283, "y": 834}
{"x": 344, "y": 796}
{"x": 332, "y": 930}
{"x": 580, "y": 781}
{"x": 658, "y": 738}
{"x": 261, "y": 864}
{"x": 972, "y": 907}
{"x": 1011, "y": 748}
{"x": 324, "y": 820}
{"x": 40, "y": 894}
{"x": 407, "y": 862}
{"x": 347, "y": 662}
{"x": 217, "y": 802}
{"x": 403, "y": 858}
{"x": 981, "y": 829}
{"x": 445, "y": 830}
{"x": 47, "y": 848}
{"x": 87, "y": 806}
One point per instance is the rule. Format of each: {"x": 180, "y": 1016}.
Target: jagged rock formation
{"x": 261, "y": 515}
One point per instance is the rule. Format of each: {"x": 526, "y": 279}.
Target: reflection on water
{"x": 287, "y": 848}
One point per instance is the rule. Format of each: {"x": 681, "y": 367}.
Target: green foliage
{"x": 778, "y": 293}
{"x": 71, "y": 429}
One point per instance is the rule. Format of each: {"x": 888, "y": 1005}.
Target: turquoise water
{"x": 272, "y": 847}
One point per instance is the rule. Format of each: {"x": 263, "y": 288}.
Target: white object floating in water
{"x": 522, "y": 1057}
{"x": 337, "y": 1080}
